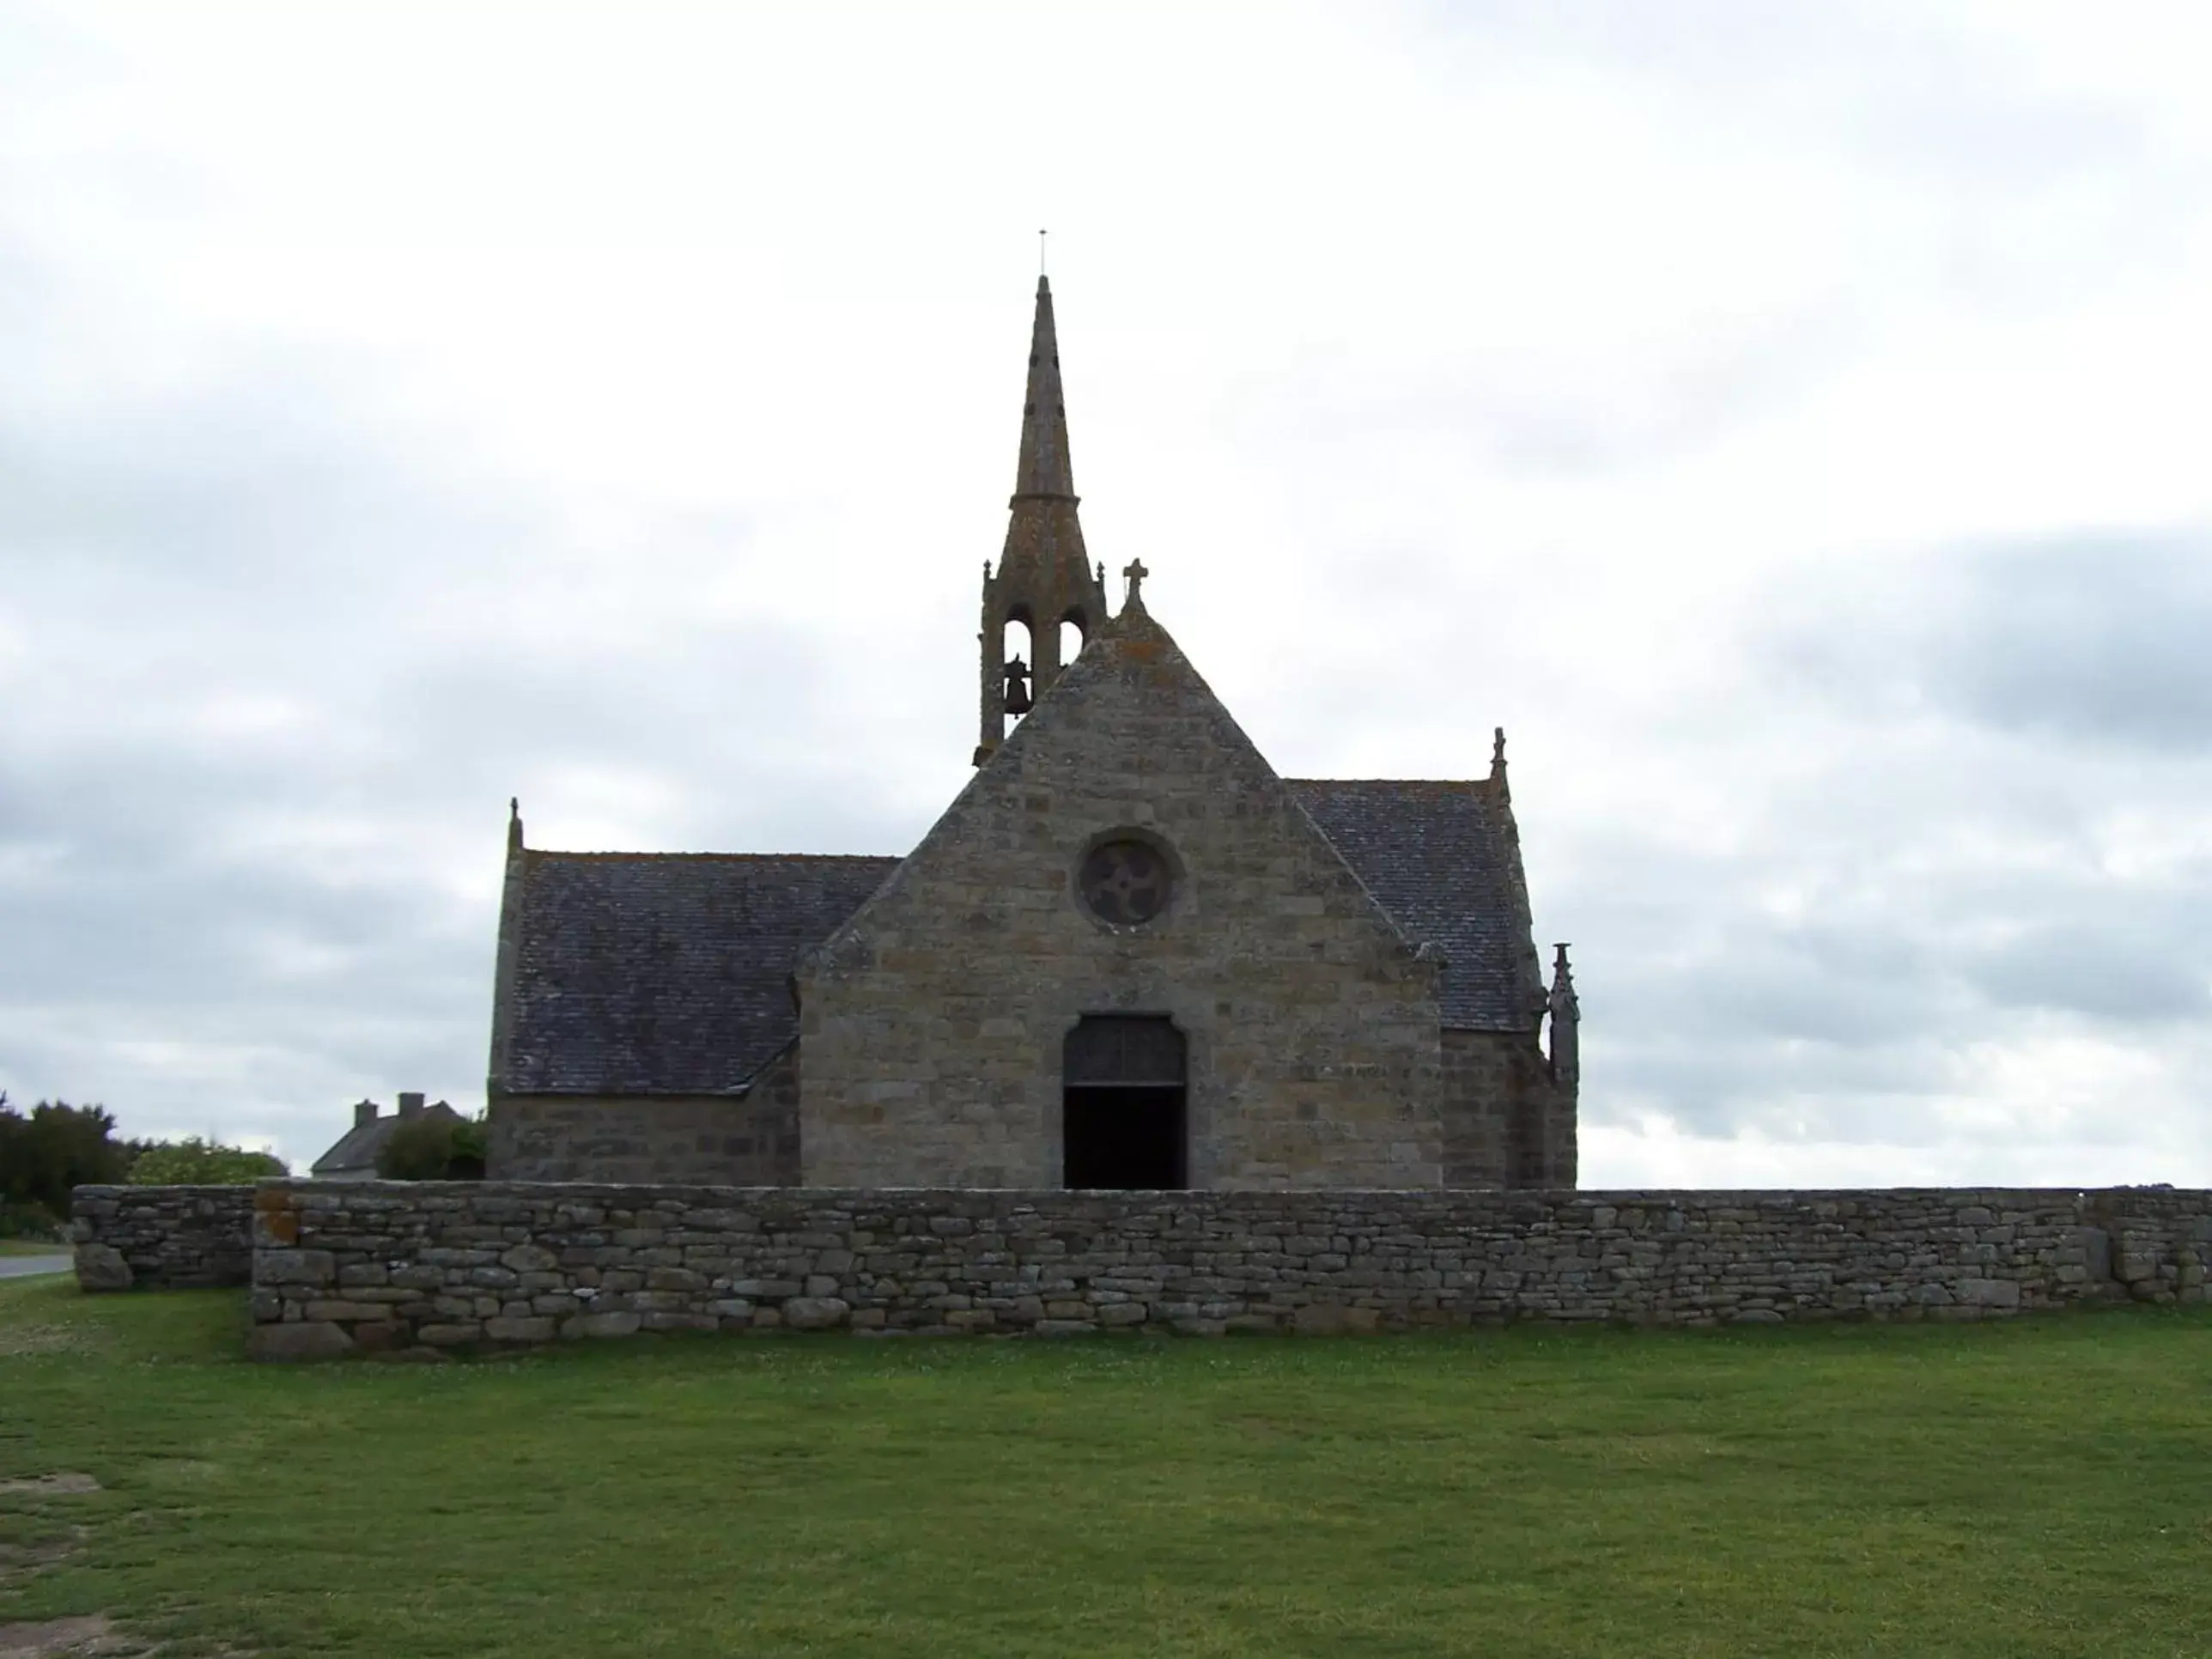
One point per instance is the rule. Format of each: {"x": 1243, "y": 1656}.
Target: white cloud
{"x": 1783, "y": 420}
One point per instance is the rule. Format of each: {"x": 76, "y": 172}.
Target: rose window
{"x": 1125, "y": 882}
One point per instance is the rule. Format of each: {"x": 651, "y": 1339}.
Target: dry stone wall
{"x": 380, "y": 1265}
{"x": 157, "y": 1239}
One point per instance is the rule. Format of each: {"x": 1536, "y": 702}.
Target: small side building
{"x": 353, "y": 1158}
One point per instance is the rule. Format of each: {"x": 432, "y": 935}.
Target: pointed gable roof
{"x": 1132, "y": 689}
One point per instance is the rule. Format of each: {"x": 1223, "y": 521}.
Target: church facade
{"x": 1129, "y": 955}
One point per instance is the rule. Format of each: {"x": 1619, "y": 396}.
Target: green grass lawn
{"x": 32, "y": 1247}
{"x": 2042, "y": 1487}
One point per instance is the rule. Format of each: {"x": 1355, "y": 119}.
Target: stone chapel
{"x": 1128, "y": 955}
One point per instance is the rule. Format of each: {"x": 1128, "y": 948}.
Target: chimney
{"x": 410, "y": 1105}
{"x": 364, "y": 1112}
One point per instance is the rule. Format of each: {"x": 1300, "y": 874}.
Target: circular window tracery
{"x": 1126, "y": 881}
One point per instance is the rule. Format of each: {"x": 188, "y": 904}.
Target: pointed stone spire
{"x": 1045, "y": 577}
{"x": 1044, "y": 473}
{"x": 513, "y": 823}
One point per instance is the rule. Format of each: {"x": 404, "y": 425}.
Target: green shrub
{"x": 433, "y": 1147}
{"x": 27, "y": 1221}
{"x": 467, "y": 1162}
{"x": 196, "y": 1162}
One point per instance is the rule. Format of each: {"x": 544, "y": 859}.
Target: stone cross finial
{"x": 1496, "y": 748}
{"x": 1136, "y": 573}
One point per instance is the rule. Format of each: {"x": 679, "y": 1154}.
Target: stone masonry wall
{"x": 167, "y": 1238}
{"x": 750, "y": 1140}
{"x": 386, "y": 1265}
{"x": 933, "y": 1021}
{"x": 1506, "y": 1122}
{"x": 1562, "y": 1157}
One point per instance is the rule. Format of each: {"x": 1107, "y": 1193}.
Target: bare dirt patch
{"x": 67, "y": 1484}
{"x": 20, "y": 1561}
{"x": 24, "y": 1341}
{"x": 55, "y": 1639}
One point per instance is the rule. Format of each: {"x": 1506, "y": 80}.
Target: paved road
{"x": 21, "y": 1267}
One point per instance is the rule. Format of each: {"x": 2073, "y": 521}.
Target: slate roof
{"x": 356, "y": 1151}
{"x": 1441, "y": 860}
{"x": 648, "y": 973}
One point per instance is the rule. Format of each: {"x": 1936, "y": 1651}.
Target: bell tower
{"x": 1045, "y": 577}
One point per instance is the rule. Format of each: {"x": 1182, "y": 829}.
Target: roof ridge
{"x": 1400, "y": 783}
{"x": 725, "y": 857}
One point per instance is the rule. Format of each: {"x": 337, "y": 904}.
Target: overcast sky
{"x": 1789, "y": 422}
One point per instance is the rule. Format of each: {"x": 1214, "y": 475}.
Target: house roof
{"x": 359, "y": 1147}
{"x": 1442, "y": 859}
{"x": 648, "y": 973}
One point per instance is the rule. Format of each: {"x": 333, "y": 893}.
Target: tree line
{"x": 55, "y": 1146}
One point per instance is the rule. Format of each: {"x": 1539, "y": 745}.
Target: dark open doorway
{"x": 1127, "y": 1137}
{"x": 1123, "y": 1117}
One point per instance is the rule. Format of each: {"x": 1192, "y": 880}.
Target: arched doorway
{"x": 1125, "y": 1096}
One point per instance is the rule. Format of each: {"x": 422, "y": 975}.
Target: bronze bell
{"x": 1017, "y": 688}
